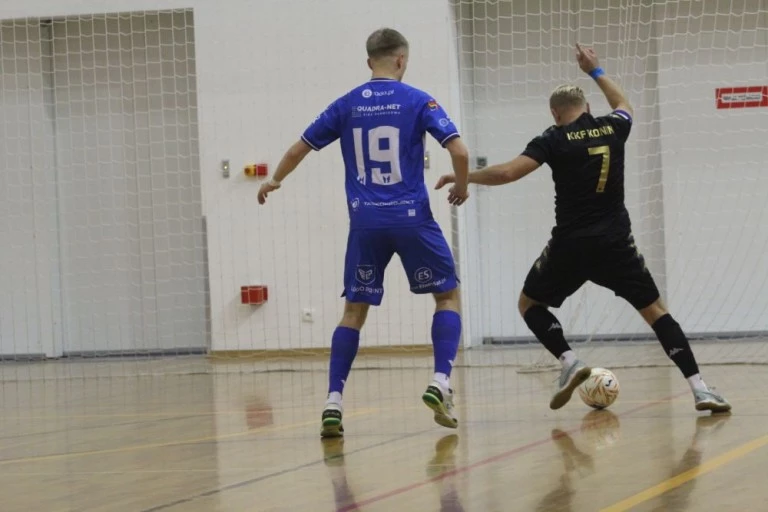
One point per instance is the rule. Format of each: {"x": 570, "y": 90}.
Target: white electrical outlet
{"x": 308, "y": 315}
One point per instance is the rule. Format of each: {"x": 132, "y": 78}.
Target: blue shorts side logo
{"x": 366, "y": 274}
{"x": 423, "y": 275}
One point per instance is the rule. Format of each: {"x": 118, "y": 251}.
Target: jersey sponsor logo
{"x": 390, "y": 107}
{"x": 365, "y": 274}
{"x": 423, "y": 275}
{"x": 444, "y": 122}
{"x": 430, "y": 284}
{"x": 367, "y": 93}
{"x": 555, "y": 327}
{"x": 389, "y": 203}
{"x": 355, "y": 203}
{"x": 368, "y": 290}
{"x": 432, "y": 104}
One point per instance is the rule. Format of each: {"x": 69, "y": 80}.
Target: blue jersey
{"x": 382, "y": 126}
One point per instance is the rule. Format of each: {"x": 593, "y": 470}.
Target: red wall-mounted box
{"x": 253, "y": 295}
{"x": 258, "y": 170}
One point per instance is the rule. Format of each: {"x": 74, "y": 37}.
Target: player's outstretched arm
{"x": 499, "y": 174}
{"x": 589, "y": 64}
{"x": 460, "y": 161}
{"x": 291, "y": 159}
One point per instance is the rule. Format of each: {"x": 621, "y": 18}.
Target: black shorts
{"x": 613, "y": 263}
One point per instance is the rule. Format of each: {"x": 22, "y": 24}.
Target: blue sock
{"x": 446, "y": 333}
{"x": 343, "y": 351}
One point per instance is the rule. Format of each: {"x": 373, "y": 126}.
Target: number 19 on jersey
{"x": 390, "y": 136}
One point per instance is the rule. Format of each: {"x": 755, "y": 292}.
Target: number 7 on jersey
{"x": 605, "y": 167}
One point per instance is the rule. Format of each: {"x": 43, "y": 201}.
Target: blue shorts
{"x": 425, "y": 255}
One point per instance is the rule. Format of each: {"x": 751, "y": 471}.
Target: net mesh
{"x": 106, "y": 250}
{"x": 693, "y": 176}
{"x": 101, "y": 203}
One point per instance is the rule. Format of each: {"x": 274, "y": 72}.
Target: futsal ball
{"x": 600, "y": 389}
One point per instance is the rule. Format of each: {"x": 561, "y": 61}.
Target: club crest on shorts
{"x": 365, "y": 274}
{"x": 423, "y": 275}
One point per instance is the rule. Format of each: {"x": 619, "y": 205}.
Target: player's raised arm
{"x": 589, "y": 64}
{"x": 499, "y": 174}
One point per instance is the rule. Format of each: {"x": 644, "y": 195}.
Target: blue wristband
{"x": 596, "y": 73}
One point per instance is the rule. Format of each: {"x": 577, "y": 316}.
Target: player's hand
{"x": 444, "y": 180}
{"x": 265, "y": 189}
{"x": 587, "y": 58}
{"x": 457, "y": 195}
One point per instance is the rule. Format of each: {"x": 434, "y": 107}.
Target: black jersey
{"x": 587, "y": 161}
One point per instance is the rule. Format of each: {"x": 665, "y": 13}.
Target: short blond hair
{"x": 567, "y": 96}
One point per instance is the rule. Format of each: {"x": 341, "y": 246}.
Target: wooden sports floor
{"x": 194, "y": 435}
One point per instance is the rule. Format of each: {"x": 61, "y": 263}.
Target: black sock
{"x": 547, "y": 329}
{"x": 676, "y": 345}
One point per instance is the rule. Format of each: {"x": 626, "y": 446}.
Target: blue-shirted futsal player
{"x": 381, "y": 125}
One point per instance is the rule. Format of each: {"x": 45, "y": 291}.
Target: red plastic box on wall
{"x": 253, "y": 295}
{"x": 258, "y": 170}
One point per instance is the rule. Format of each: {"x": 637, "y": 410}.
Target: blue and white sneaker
{"x": 570, "y": 379}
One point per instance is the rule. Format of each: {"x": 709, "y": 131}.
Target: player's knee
{"x": 524, "y": 303}
{"x": 653, "y": 312}
{"x": 354, "y": 316}
{"x": 450, "y": 300}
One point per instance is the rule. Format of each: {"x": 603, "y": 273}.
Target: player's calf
{"x": 678, "y": 349}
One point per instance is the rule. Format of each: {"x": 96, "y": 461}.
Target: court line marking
{"x": 484, "y": 462}
{"x": 181, "y": 442}
{"x": 286, "y": 471}
{"x": 687, "y": 476}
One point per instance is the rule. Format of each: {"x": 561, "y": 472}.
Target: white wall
{"x": 260, "y": 82}
{"x": 669, "y": 60}
{"x": 715, "y": 161}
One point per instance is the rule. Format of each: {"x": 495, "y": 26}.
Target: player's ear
{"x": 370, "y": 66}
{"x": 554, "y": 115}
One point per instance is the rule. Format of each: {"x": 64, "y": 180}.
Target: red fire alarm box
{"x": 258, "y": 170}
{"x": 253, "y": 295}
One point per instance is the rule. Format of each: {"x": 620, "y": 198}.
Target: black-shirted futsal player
{"x": 592, "y": 239}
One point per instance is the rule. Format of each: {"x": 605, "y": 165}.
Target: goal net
{"x": 695, "y": 182}
{"x": 127, "y": 239}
